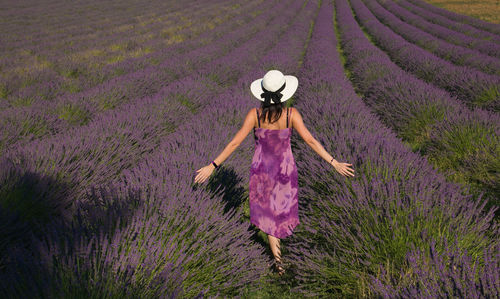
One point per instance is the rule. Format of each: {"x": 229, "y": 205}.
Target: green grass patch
{"x": 343, "y": 58}
{"x": 418, "y": 128}
{"x": 426, "y": 72}
{"x": 73, "y": 72}
{"x": 374, "y": 73}
{"x": 490, "y": 94}
{"x": 4, "y": 91}
{"x": 72, "y": 86}
{"x": 118, "y": 72}
{"x": 309, "y": 34}
{"x": 74, "y": 114}
{"x": 168, "y": 126}
{"x": 269, "y": 286}
{"x": 115, "y": 59}
{"x": 37, "y": 127}
{"x": 110, "y": 101}
{"x": 431, "y": 45}
{"x": 22, "y": 102}
{"x": 28, "y": 81}
{"x": 185, "y": 101}
{"x": 472, "y": 151}
{"x": 154, "y": 61}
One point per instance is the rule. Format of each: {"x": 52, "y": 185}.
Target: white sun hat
{"x": 274, "y": 87}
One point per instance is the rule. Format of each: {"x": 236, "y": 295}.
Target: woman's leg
{"x": 274, "y": 243}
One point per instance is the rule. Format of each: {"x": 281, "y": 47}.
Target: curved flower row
{"x": 473, "y": 87}
{"x": 480, "y": 24}
{"x": 445, "y": 22}
{"x": 425, "y": 37}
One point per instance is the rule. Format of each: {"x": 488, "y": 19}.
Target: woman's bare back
{"x": 277, "y": 125}
{"x": 295, "y": 121}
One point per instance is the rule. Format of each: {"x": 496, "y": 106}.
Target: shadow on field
{"x": 33, "y": 207}
{"x": 40, "y": 219}
{"x": 235, "y": 196}
{"x": 232, "y": 194}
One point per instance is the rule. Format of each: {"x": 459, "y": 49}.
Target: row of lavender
{"x": 71, "y": 63}
{"x": 397, "y": 229}
{"x": 436, "y": 39}
{"x": 62, "y": 113}
{"x": 473, "y": 87}
{"x": 462, "y": 28}
{"x": 97, "y": 152}
{"x": 476, "y": 40}
{"x": 152, "y": 228}
{"x": 461, "y": 20}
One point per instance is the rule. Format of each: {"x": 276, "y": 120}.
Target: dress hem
{"x": 291, "y": 230}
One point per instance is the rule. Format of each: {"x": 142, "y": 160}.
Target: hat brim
{"x": 291, "y": 86}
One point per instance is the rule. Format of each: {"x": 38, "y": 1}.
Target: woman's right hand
{"x": 343, "y": 168}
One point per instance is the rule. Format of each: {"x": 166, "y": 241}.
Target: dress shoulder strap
{"x": 287, "y": 117}
{"x": 258, "y": 119}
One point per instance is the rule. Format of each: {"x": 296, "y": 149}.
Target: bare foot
{"x": 281, "y": 271}
{"x": 279, "y": 267}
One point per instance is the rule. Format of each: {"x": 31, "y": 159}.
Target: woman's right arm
{"x": 298, "y": 124}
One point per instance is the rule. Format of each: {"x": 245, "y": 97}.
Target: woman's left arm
{"x": 205, "y": 172}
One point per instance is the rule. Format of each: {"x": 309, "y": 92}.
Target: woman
{"x": 273, "y": 182}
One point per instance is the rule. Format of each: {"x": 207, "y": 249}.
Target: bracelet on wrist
{"x": 216, "y": 166}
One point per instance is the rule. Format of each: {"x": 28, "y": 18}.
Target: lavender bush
{"x": 450, "y": 273}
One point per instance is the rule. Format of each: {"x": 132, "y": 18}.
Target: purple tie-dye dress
{"x": 273, "y": 182}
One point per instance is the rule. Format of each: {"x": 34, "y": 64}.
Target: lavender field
{"x": 108, "y": 108}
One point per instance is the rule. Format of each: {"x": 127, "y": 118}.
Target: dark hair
{"x": 270, "y": 111}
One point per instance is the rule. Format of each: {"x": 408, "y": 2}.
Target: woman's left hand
{"x": 204, "y": 173}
